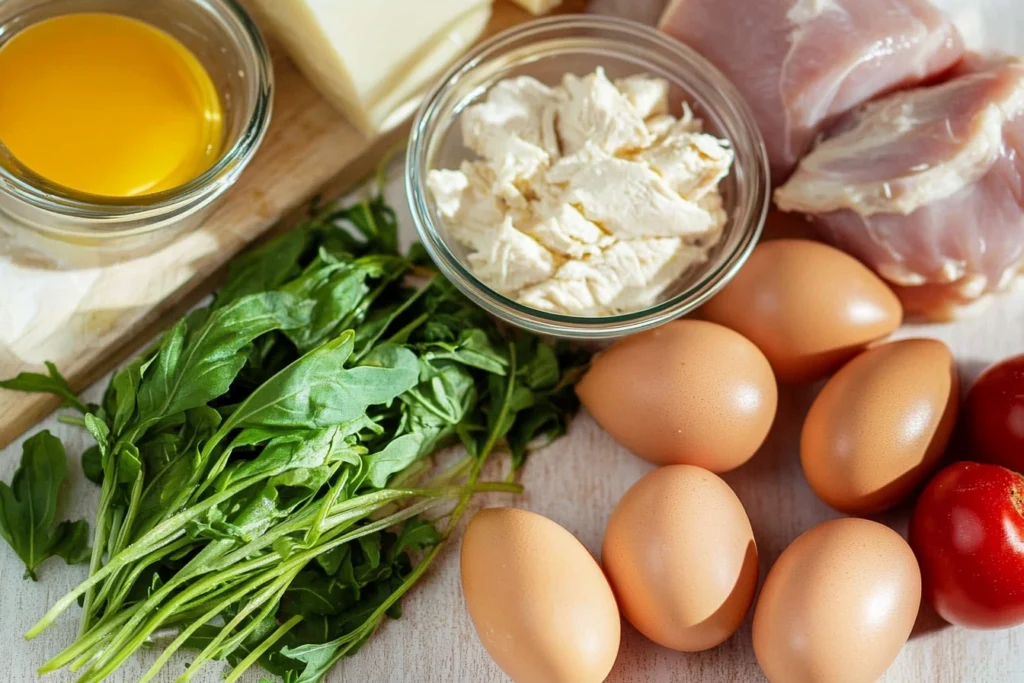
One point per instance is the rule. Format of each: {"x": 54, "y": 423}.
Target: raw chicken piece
{"x": 643, "y": 11}
{"x": 927, "y": 186}
{"x": 802, "y": 63}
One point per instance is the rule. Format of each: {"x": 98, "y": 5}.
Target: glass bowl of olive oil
{"x": 122, "y": 122}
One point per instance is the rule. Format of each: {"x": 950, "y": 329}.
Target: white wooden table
{"x": 577, "y": 482}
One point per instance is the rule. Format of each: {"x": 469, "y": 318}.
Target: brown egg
{"x": 808, "y": 306}
{"x": 680, "y": 555}
{"x": 689, "y": 392}
{"x": 880, "y": 426}
{"x": 539, "y": 601}
{"x": 838, "y": 605}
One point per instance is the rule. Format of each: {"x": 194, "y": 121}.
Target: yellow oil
{"x": 107, "y": 105}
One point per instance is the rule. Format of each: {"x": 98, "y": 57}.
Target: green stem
{"x": 265, "y": 597}
{"x": 96, "y": 559}
{"x": 135, "y": 632}
{"x": 84, "y": 643}
{"x": 124, "y": 588}
{"x": 114, "y": 662}
{"x": 254, "y": 656}
{"x": 162, "y": 534}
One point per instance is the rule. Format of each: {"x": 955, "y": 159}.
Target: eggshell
{"x": 539, "y": 601}
{"x": 680, "y": 555}
{"x": 880, "y": 425}
{"x": 838, "y": 605}
{"x": 689, "y": 392}
{"x": 808, "y": 306}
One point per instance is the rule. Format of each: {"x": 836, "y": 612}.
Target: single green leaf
{"x": 125, "y": 385}
{"x": 92, "y": 464}
{"x": 335, "y": 290}
{"x": 52, "y": 383}
{"x": 28, "y": 506}
{"x": 265, "y": 267}
{"x": 71, "y": 542}
{"x": 396, "y": 456}
{"x": 370, "y": 545}
{"x": 193, "y": 369}
{"x": 100, "y": 432}
{"x": 313, "y": 593}
{"x": 129, "y": 463}
{"x": 473, "y": 348}
{"x": 538, "y": 425}
{"x": 319, "y": 391}
{"x": 539, "y": 369}
{"x": 416, "y": 534}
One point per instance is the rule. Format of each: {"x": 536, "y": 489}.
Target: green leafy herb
{"x": 267, "y": 493}
{"x": 51, "y": 383}
{"x": 28, "y": 508}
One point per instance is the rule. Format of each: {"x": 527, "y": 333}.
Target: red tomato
{"x": 968, "y": 534}
{"x": 994, "y": 414}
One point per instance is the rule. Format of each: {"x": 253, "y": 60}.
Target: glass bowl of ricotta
{"x": 586, "y": 178}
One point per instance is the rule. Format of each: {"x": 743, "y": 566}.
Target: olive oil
{"x": 107, "y": 105}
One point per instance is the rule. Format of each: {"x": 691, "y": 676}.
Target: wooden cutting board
{"x": 85, "y": 321}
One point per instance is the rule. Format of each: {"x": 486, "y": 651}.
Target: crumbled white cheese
{"x": 649, "y": 96}
{"x": 626, "y": 198}
{"x": 513, "y": 260}
{"x": 691, "y": 163}
{"x": 588, "y": 198}
{"x": 594, "y": 112}
{"x": 522, "y": 107}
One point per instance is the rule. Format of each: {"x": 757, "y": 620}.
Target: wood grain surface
{"x": 577, "y": 482}
{"x": 86, "y": 320}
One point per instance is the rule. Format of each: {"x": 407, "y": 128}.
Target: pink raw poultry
{"x": 802, "y": 63}
{"x": 927, "y": 186}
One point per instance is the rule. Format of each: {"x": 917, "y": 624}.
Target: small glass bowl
{"x": 49, "y": 225}
{"x": 547, "y": 49}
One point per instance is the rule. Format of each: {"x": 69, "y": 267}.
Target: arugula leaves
{"x": 28, "y": 508}
{"x": 51, "y": 383}
{"x": 267, "y": 493}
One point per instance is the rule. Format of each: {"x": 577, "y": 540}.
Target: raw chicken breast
{"x": 643, "y": 11}
{"x": 802, "y": 63}
{"x": 927, "y": 186}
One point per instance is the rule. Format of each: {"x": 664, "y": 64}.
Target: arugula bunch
{"x": 265, "y": 469}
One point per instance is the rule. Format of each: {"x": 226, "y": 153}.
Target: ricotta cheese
{"x": 588, "y": 198}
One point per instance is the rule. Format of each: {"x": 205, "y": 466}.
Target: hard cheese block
{"x": 538, "y": 7}
{"x": 372, "y": 59}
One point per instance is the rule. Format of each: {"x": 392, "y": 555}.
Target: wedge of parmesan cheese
{"x": 372, "y": 60}
{"x": 538, "y": 7}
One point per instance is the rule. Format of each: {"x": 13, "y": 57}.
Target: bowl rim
{"x": 580, "y": 327}
{"x": 41, "y": 193}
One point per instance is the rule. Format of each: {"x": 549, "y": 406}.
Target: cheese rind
{"x": 372, "y": 60}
